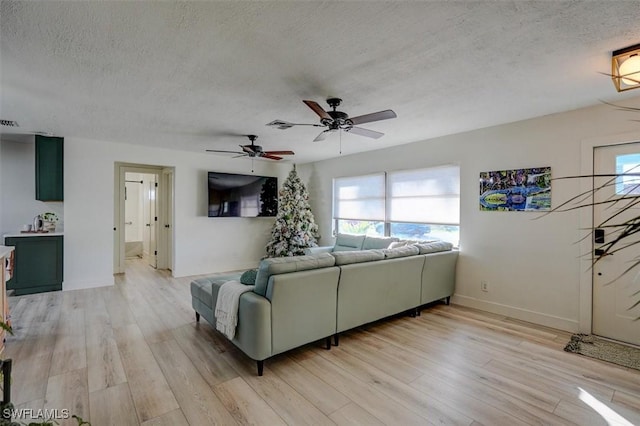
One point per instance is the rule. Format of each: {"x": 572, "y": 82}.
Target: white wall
{"x": 18, "y": 204}
{"x": 531, "y": 263}
{"x": 201, "y": 244}
{"x": 532, "y": 266}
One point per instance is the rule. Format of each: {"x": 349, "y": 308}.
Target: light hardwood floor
{"x": 133, "y": 354}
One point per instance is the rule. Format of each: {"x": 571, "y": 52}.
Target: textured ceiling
{"x": 190, "y": 75}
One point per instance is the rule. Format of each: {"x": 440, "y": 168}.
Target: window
{"x": 409, "y": 204}
{"x": 627, "y": 169}
{"x": 358, "y": 204}
{"x": 425, "y": 203}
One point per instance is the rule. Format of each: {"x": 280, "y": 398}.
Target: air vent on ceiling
{"x": 9, "y": 123}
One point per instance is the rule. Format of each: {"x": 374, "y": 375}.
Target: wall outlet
{"x": 484, "y": 285}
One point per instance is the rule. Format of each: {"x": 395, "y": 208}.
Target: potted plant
{"x": 49, "y": 220}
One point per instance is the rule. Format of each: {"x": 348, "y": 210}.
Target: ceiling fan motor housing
{"x": 339, "y": 119}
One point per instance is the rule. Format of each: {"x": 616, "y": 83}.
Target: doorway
{"x": 614, "y": 291}
{"x": 140, "y": 227}
{"x": 143, "y": 216}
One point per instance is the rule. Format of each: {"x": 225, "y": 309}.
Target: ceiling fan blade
{"x": 248, "y": 149}
{"x": 226, "y": 152}
{"x": 280, "y": 152}
{"x": 318, "y": 110}
{"x": 281, "y": 124}
{"x": 322, "y": 136}
{"x": 374, "y": 116}
{"x": 364, "y": 132}
{"x": 271, "y": 157}
{"x": 241, "y": 155}
{"x": 284, "y": 125}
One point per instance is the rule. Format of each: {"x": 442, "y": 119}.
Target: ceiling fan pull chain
{"x": 340, "y": 141}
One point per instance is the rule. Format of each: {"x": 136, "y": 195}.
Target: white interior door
{"x": 153, "y": 222}
{"x": 165, "y": 237}
{"x": 613, "y": 293}
{"x": 132, "y": 214}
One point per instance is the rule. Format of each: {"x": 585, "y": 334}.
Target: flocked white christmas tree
{"x": 295, "y": 228}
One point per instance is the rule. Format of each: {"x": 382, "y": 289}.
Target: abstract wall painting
{"x": 516, "y": 190}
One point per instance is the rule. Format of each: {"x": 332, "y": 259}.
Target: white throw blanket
{"x": 227, "y": 306}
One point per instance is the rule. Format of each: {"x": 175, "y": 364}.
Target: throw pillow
{"x": 401, "y": 252}
{"x": 249, "y": 277}
{"x": 371, "y": 242}
{"x": 434, "y": 247}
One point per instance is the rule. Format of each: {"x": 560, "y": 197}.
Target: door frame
{"x": 587, "y": 156}
{"x": 164, "y": 213}
{"x": 165, "y": 231}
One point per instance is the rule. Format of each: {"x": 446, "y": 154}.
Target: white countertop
{"x": 34, "y": 234}
{"x": 5, "y": 250}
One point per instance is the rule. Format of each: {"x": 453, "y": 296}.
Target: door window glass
{"x": 628, "y": 174}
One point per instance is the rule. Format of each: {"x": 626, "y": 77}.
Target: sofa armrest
{"x": 438, "y": 276}
{"x": 303, "y": 307}
{"x": 317, "y": 250}
{"x": 253, "y": 333}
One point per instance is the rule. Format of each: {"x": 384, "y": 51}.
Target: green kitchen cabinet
{"x": 49, "y": 168}
{"x": 38, "y": 264}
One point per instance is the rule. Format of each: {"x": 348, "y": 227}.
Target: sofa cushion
{"x": 249, "y": 277}
{"x": 403, "y": 251}
{"x": 318, "y": 249}
{"x": 357, "y": 256}
{"x": 434, "y": 247}
{"x": 397, "y": 244}
{"x": 283, "y": 265}
{"x": 377, "y": 242}
{"x": 347, "y": 242}
{"x": 206, "y": 289}
{"x": 201, "y": 290}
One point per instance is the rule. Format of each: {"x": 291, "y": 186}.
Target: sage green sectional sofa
{"x": 303, "y": 299}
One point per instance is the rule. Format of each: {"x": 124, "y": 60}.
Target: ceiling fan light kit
{"x": 625, "y": 68}
{"x": 335, "y": 120}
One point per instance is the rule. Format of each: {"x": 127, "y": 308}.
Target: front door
{"x": 615, "y": 198}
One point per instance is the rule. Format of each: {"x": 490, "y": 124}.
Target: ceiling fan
{"x": 254, "y": 151}
{"x": 335, "y": 120}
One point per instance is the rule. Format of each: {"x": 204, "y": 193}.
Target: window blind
{"x": 359, "y": 197}
{"x": 426, "y": 195}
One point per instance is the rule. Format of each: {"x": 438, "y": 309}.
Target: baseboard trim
{"x": 517, "y": 313}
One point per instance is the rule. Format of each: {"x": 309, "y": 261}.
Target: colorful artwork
{"x": 516, "y": 190}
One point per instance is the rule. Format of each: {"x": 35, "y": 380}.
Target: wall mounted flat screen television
{"x": 236, "y": 195}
